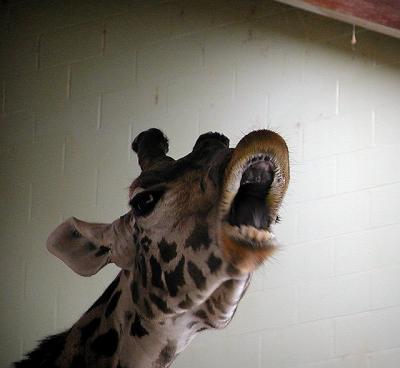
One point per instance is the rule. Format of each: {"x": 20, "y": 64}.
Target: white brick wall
{"x": 79, "y": 79}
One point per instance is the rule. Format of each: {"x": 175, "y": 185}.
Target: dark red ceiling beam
{"x": 378, "y": 15}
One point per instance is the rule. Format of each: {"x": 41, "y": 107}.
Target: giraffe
{"x": 196, "y": 230}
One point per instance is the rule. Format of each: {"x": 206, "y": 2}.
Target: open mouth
{"x": 255, "y": 182}
{"x": 249, "y": 216}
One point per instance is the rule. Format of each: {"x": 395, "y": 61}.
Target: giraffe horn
{"x": 213, "y": 140}
{"x": 151, "y": 146}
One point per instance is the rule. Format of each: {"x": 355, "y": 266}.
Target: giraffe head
{"x": 193, "y": 222}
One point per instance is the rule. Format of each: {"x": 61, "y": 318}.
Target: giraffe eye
{"x": 143, "y": 203}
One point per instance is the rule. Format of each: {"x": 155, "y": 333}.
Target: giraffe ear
{"x": 80, "y": 245}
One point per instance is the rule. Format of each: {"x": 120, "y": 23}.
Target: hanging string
{"x": 353, "y": 38}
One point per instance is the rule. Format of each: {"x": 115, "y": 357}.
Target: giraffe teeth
{"x": 244, "y": 230}
{"x": 261, "y": 236}
{"x": 257, "y": 236}
{"x": 252, "y": 232}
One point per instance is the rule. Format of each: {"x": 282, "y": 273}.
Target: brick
{"x": 34, "y": 90}
{"x": 352, "y": 334}
{"x": 94, "y": 169}
{"x": 331, "y": 216}
{"x": 42, "y": 16}
{"x": 313, "y": 179}
{"x": 101, "y": 74}
{"x": 128, "y": 32}
{"x": 294, "y": 265}
{"x": 367, "y": 250}
{"x": 10, "y": 350}
{"x": 385, "y": 49}
{"x": 292, "y": 133}
{"x": 18, "y": 54}
{"x": 223, "y": 44}
{"x": 138, "y": 105}
{"x": 80, "y": 193}
{"x": 361, "y": 89}
{"x": 368, "y": 332}
{"x": 387, "y": 359}
{"x": 286, "y": 229}
{"x": 236, "y": 11}
{"x": 384, "y": 328}
{"x": 287, "y": 27}
{"x": 17, "y": 128}
{"x": 75, "y": 117}
{"x": 39, "y": 307}
{"x": 207, "y": 87}
{"x": 238, "y": 351}
{"x": 342, "y": 133}
{"x": 278, "y": 304}
{"x": 383, "y": 292}
{"x": 69, "y": 44}
{"x": 355, "y": 75}
{"x": 317, "y": 346}
{"x": 231, "y": 116}
{"x": 349, "y": 361}
{"x": 47, "y": 203}
{"x": 387, "y": 131}
{"x": 301, "y": 97}
{"x": 170, "y": 124}
{"x": 367, "y": 168}
{"x": 257, "y": 281}
{"x": 190, "y": 17}
{"x": 334, "y": 297}
{"x": 45, "y": 160}
{"x": 112, "y": 199}
{"x": 87, "y": 290}
{"x": 324, "y": 61}
{"x": 25, "y": 163}
{"x": 187, "y": 50}
{"x": 385, "y": 202}
{"x": 17, "y": 202}
{"x": 35, "y": 17}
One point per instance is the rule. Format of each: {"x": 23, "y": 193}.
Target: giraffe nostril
{"x": 76, "y": 234}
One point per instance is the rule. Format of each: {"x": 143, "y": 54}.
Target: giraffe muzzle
{"x": 255, "y": 182}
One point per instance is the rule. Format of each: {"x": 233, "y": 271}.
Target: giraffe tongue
{"x": 249, "y": 206}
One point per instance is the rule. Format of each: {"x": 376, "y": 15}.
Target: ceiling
{"x": 378, "y": 15}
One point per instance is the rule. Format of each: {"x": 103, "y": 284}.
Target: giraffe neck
{"x": 114, "y": 333}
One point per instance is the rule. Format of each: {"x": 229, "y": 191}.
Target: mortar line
{"x": 96, "y": 187}
{"x": 69, "y": 82}
{"x": 30, "y": 200}
{"x": 103, "y": 38}
{"x": 25, "y": 277}
{"x": 34, "y": 129}
{"x": 99, "y": 109}
{"x": 337, "y": 97}
{"x": 136, "y": 67}
{"x": 63, "y": 153}
{"x": 38, "y": 51}
{"x": 130, "y": 151}
{"x": 3, "y": 101}
{"x": 373, "y": 127}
